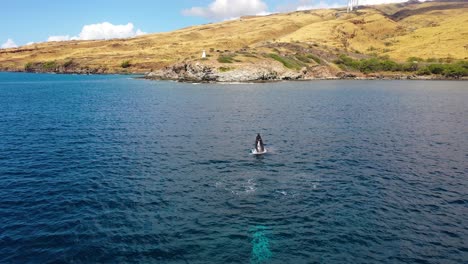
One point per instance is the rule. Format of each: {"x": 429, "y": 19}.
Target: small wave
{"x": 272, "y": 150}
{"x": 284, "y": 193}
{"x": 250, "y": 187}
{"x": 238, "y": 188}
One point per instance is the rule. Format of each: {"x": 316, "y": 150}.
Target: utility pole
{"x": 352, "y": 4}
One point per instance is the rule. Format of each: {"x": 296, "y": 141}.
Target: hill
{"x": 315, "y": 39}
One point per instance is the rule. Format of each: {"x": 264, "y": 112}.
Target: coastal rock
{"x": 248, "y": 75}
{"x": 320, "y": 72}
{"x": 197, "y": 72}
{"x": 346, "y": 75}
{"x": 187, "y": 72}
{"x": 201, "y": 72}
{"x": 291, "y": 75}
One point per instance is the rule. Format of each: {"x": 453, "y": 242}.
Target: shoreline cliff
{"x": 201, "y": 73}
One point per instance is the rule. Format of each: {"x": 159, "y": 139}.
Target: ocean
{"x": 112, "y": 169}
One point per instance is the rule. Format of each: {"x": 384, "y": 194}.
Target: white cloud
{"x": 108, "y": 31}
{"x": 9, "y": 44}
{"x": 308, "y": 5}
{"x": 59, "y": 38}
{"x": 224, "y": 9}
{"x": 104, "y": 30}
{"x": 140, "y": 33}
{"x": 301, "y": 5}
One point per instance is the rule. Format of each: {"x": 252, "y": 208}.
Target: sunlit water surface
{"x": 111, "y": 169}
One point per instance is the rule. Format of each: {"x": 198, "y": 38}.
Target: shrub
{"x": 315, "y": 58}
{"x": 125, "y": 64}
{"x": 29, "y": 67}
{"x": 424, "y": 71}
{"x": 225, "y": 69}
{"x": 49, "y": 65}
{"x": 409, "y": 67}
{"x": 463, "y": 64}
{"x": 303, "y": 58}
{"x": 455, "y": 71}
{"x": 287, "y": 62}
{"x": 369, "y": 65}
{"x": 348, "y": 62}
{"x": 68, "y": 63}
{"x": 225, "y": 59}
{"x": 436, "y": 68}
{"x": 389, "y": 65}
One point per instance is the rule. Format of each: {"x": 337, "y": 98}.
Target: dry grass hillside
{"x": 426, "y": 30}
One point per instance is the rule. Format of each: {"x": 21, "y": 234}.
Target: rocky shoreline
{"x": 196, "y": 72}
{"x": 200, "y": 73}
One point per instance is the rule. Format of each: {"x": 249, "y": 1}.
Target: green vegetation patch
{"x": 226, "y": 58}
{"x": 288, "y": 62}
{"x": 303, "y": 58}
{"x": 29, "y": 67}
{"x": 413, "y": 64}
{"x": 309, "y": 58}
{"x": 315, "y": 58}
{"x": 225, "y": 69}
{"x": 375, "y": 64}
{"x": 68, "y": 63}
{"x": 126, "y": 64}
{"x": 49, "y": 66}
{"x": 453, "y": 70}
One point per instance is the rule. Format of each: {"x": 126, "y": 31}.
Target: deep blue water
{"x": 110, "y": 169}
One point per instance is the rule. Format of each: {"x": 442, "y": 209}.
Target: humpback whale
{"x": 259, "y": 147}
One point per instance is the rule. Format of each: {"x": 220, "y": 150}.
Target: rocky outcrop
{"x": 248, "y": 75}
{"x": 69, "y": 67}
{"x": 198, "y": 72}
{"x": 186, "y": 72}
{"x": 321, "y": 72}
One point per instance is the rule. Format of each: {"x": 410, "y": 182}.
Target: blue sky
{"x": 24, "y": 21}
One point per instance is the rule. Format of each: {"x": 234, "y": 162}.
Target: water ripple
{"x": 113, "y": 170}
